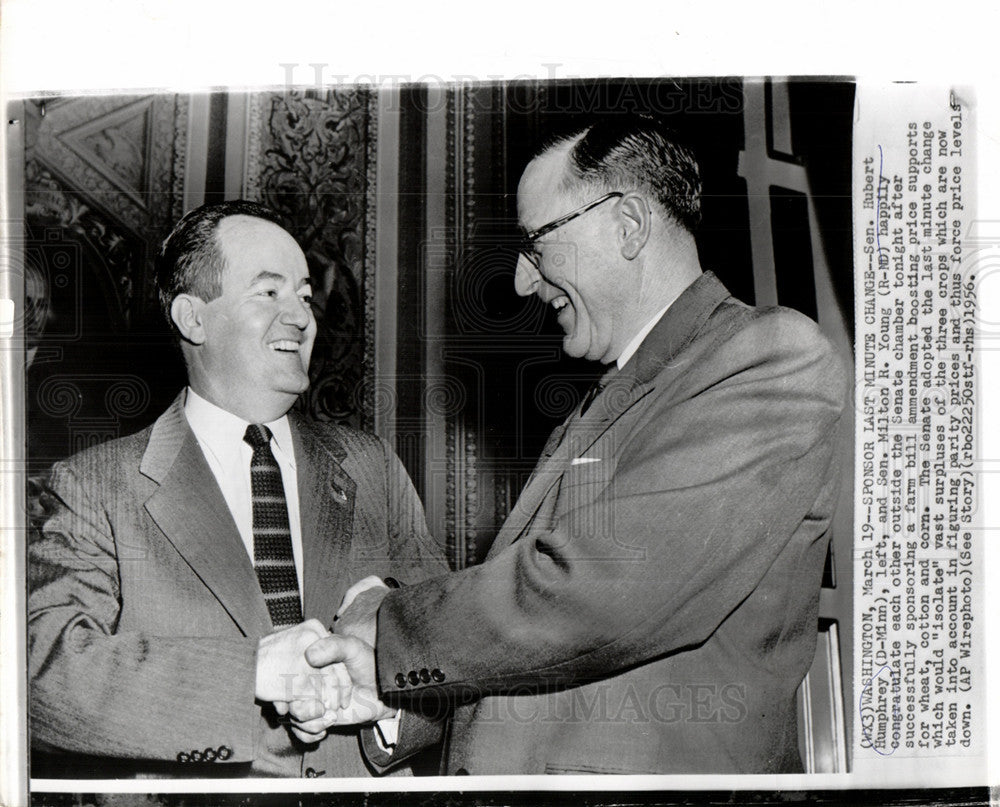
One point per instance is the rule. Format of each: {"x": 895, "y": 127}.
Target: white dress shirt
{"x": 220, "y": 435}
{"x": 633, "y": 346}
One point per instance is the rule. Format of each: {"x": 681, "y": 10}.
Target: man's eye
{"x": 307, "y": 298}
{"x": 268, "y": 293}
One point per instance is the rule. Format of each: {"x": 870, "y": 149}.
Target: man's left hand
{"x": 354, "y": 641}
{"x": 309, "y": 720}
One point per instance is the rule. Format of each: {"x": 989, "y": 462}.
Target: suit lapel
{"x": 326, "y": 507}
{"x": 661, "y": 349}
{"x": 578, "y": 434}
{"x": 190, "y": 510}
{"x": 622, "y": 391}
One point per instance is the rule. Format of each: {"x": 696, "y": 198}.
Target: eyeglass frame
{"x": 526, "y": 247}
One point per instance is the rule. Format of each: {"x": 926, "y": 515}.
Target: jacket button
{"x": 209, "y": 755}
{"x": 312, "y": 773}
{"x": 462, "y": 772}
{"x": 400, "y": 680}
{"x": 413, "y": 677}
{"x": 196, "y": 756}
{"x": 425, "y": 676}
{"x": 437, "y": 675}
{"x": 183, "y": 757}
{"x": 225, "y": 752}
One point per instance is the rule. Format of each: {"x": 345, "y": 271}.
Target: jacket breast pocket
{"x": 584, "y": 480}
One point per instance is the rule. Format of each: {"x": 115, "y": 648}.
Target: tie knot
{"x": 257, "y": 435}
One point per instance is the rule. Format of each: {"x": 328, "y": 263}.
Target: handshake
{"x": 319, "y": 679}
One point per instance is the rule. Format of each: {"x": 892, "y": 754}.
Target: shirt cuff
{"x": 387, "y": 731}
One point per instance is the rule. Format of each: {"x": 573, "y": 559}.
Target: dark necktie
{"x": 556, "y": 438}
{"x": 588, "y": 399}
{"x": 272, "y": 536}
{"x": 597, "y": 388}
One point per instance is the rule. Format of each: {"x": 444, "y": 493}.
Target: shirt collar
{"x": 222, "y": 431}
{"x": 633, "y": 346}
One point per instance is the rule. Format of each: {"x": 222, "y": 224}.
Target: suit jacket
{"x": 144, "y": 609}
{"x": 650, "y": 604}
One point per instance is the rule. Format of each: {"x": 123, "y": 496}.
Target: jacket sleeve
{"x": 647, "y": 550}
{"x": 96, "y": 691}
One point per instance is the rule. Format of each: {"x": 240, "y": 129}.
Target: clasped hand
{"x": 318, "y": 679}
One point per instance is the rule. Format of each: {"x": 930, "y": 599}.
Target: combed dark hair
{"x": 190, "y": 260}
{"x": 634, "y": 152}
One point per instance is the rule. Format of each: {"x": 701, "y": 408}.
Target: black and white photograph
{"x": 568, "y": 363}
{"x": 381, "y": 434}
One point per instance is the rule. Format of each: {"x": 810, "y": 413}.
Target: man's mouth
{"x": 559, "y": 303}
{"x": 285, "y": 346}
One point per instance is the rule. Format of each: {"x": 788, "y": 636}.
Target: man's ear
{"x": 186, "y": 312}
{"x": 634, "y": 225}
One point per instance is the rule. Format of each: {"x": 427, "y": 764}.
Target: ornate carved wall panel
{"x": 310, "y": 156}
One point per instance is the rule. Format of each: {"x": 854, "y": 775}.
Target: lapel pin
{"x": 338, "y": 493}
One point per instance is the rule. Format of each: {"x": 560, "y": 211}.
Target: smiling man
{"x": 650, "y": 604}
{"x": 171, "y": 557}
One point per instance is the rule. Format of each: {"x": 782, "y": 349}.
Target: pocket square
{"x": 584, "y": 460}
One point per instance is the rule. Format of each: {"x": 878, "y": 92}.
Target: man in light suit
{"x": 169, "y": 557}
{"x": 650, "y": 605}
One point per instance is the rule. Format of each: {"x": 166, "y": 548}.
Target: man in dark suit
{"x": 169, "y": 557}
{"x": 650, "y": 604}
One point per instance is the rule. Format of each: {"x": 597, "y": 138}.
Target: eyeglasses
{"x": 527, "y": 247}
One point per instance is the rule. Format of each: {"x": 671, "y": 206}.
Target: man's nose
{"x": 526, "y": 276}
{"x": 297, "y": 312}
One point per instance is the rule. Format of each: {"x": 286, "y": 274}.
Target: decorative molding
{"x": 112, "y": 168}
{"x": 455, "y": 543}
{"x": 182, "y": 116}
{"x": 462, "y": 491}
{"x": 453, "y": 547}
{"x": 253, "y": 160}
{"x": 502, "y": 497}
{"x": 470, "y": 477}
{"x": 117, "y": 144}
{"x": 86, "y": 142}
{"x": 468, "y": 223}
{"x": 369, "y": 264}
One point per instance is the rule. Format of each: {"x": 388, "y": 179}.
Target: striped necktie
{"x": 272, "y": 536}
